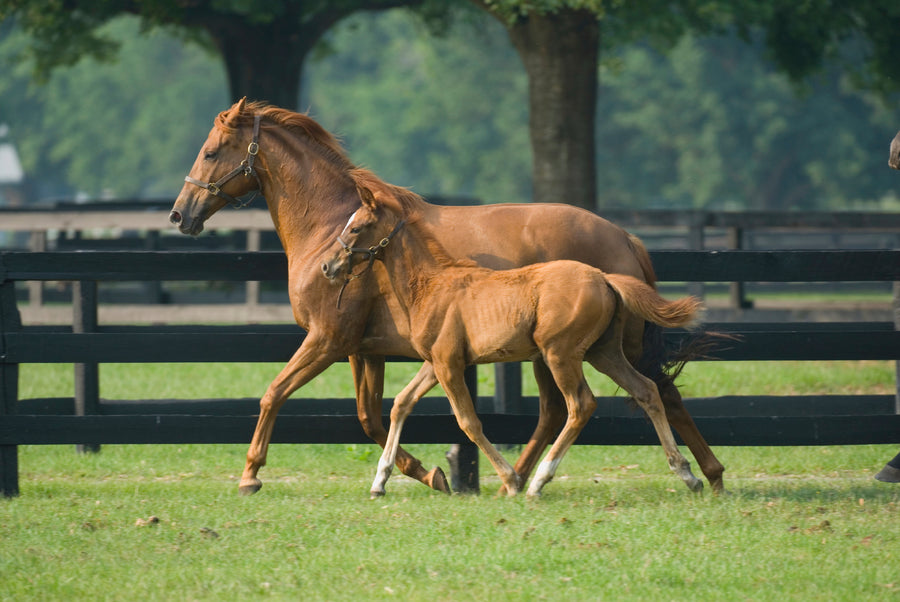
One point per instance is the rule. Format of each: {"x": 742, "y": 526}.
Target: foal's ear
{"x": 234, "y": 114}
{"x": 366, "y": 196}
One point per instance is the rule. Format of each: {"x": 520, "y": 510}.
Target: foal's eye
{"x": 355, "y": 230}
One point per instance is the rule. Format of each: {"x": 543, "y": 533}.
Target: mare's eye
{"x": 355, "y": 230}
{"x": 210, "y": 155}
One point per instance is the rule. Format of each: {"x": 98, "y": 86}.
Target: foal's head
{"x": 368, "y": 231}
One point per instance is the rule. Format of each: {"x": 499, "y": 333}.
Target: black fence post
{"x": 87, "y": 375}
{"x": 9, "y": 386}
{"x": 463, "y": 457}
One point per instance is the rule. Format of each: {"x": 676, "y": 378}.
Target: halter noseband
{"x": 246, "y": 168}
{"x": 370, "y": 251}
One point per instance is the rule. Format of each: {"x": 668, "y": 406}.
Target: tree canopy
{"x": 709, "y": 123}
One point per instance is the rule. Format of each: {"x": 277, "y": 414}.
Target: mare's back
{"x": 512, "y": 235}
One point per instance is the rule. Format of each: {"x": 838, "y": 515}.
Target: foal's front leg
{"x": 450, "y": 375}
{"x": 313, "y": 356}
{"x": 422, "y": 383}
{"x": 368, "y": 376}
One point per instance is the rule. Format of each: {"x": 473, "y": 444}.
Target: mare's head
{"x": 223, "y": 172}
{"x": 368, "y": 231}
{"x": 894, "y": 160}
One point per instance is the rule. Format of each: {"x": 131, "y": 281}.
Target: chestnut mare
{"x": 563, "y": 312}
{"x": 310, "y": 188}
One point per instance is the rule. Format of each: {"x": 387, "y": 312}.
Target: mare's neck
{"x": 308, "y": 197}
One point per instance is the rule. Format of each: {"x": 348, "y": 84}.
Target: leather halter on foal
{"x": 246, "y": 168}
{"x": 370, "y": 251}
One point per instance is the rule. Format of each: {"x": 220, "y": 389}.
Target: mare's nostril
{"x": 325, "y": 268}
{"x": 175, "y": 218}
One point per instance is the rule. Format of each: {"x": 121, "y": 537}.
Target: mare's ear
{"x": 234, "y": 113}
{"x": 366, "y": 196}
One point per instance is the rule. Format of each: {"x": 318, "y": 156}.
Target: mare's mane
{"x": 297, "y": 123}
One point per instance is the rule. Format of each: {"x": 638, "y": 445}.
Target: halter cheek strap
{"x": 372, "y": 252}
{"x": 246, "y": 168}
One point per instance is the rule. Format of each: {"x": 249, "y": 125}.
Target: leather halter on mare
{"x": 246, "y": 168}
{"x": 370, "y": 251}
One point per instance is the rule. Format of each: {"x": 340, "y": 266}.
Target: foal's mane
{"x": 406, "y": 205}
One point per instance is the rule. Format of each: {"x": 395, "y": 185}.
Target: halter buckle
{"x": 253, "y": 149}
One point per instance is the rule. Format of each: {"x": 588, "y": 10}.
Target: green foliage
{"x": 447, "y": 116}
{"x": 707, "y": 123}
{"x": 710, "y": 124}
{"x": 123, "y": 129}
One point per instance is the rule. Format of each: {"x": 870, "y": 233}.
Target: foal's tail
{"x": 643, "y": 300}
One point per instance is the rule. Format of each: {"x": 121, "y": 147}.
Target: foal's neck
{"x": 414, "y": 257}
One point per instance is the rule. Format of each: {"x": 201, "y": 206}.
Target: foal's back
{"x": 510, "y": 315}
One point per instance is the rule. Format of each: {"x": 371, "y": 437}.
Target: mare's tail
{"x": 643, "y": 300}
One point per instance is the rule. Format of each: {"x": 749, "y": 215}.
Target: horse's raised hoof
{"x": 888, "y": 474}
{"x": 250, "y": 487}
{"x": 437, "y": 480}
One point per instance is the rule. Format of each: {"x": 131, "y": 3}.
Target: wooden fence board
{"x": 421, "y": 428}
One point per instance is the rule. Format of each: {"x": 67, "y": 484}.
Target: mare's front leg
{"x": 313, "y": 356}
{"x": 368, "y": 376}
{"x": 422, "y": 383}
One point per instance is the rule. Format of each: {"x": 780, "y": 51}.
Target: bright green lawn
{"x": 798, "y": 524}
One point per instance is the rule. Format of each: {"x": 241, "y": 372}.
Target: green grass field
{"x": 798, "y": 523}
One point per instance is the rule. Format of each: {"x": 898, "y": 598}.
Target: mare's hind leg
{"x": 450, "y": 375}
{"x": 613, "y": 363}
{"x": 404, "y": 403}
{"x": 551, "y": 417}
{"x": 368, "y": 375}
{"x": 580, "y": 403}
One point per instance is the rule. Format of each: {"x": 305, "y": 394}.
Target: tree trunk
{"x": 264, "y": 61}
{"x": 560, "y": 52}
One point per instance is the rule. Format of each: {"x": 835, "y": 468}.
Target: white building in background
{"x": 12, "y": 176}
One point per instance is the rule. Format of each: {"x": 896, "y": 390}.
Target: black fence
{"x": 508, "y": 417}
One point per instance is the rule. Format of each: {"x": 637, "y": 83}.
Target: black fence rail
{"x": 508, "y": 417}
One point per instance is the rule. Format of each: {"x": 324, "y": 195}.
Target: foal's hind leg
{"x": 404, "y": 403}
{"x": 640, "y": 336}
{"x": 368, "y": 375}
{"x": 681, "y": 421}
{"x": 643, "y": 390}
{"x": 580, "y": 404}
{"x": 551, "y": 417}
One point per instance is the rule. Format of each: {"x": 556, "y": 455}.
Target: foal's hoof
{"x": 436, "y": 480}
{"x": 250, "y": 487}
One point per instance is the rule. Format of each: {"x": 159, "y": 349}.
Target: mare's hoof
{"x": 437, "y": 480}
{"x": 250, "y": 487}
{"x": 888, "y": 474}
{"x": 374, "y": 495}
{"x": 695, "y": 485}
